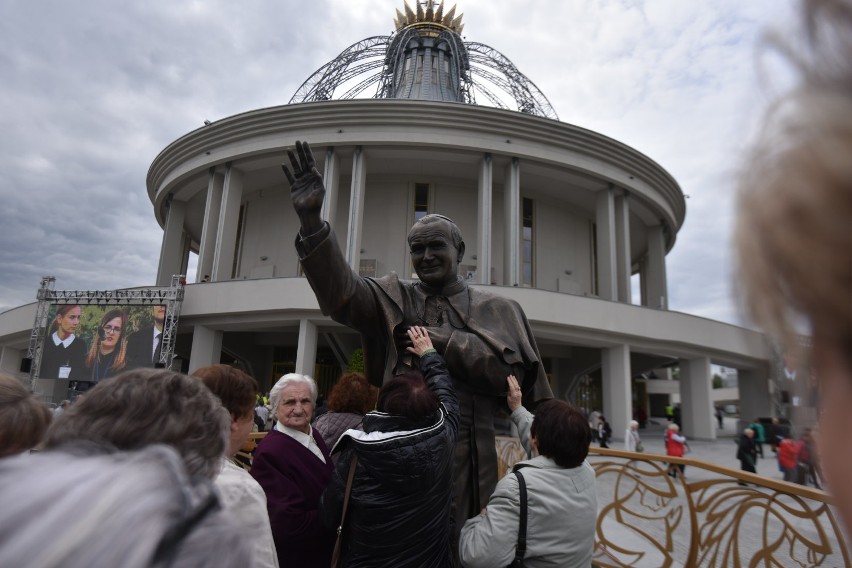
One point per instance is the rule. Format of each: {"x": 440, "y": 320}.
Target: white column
{"x": 512, "y": 223}
{"x": 306, "y": 352}
{"x": 10, "y": 360}
{"x": 696, "y": 401}
{"x": 605, "y": 224}
{"x": 622, "y": 247}
{"x": 755, "y": 401}
{"x": 483, "y": 256}
{"x": 655, "y": 270}
{"x": 615, "y": 373}
{"x": 356, "y": 208}
{"x": 330, "y": 176}
{"x": 226, "y": 232}
{"x": 171, "y": 251}
{"x": 212, "y": 206}
{"x": 206, "y": 347}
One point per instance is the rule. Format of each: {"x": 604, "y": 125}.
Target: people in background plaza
{"x": 747, "y": 451}
{"x": 63, "y": 354}
{"x": 293, "y": 466}
{"x": 242, "y": 497}
{"x": 594, "y": 422}
{"x": 144, "y": 346}
{"x": 675, "y": 446}
{"x": 60, "y": 408}
{"x": 604, "y": 431}
{"x": 808, "y": 460}
{"x": 793, "y": 230}
{"x": 399, "y": 507}
{"x": 261, "y": 415}
{"x": 108, "y": 352}
{"x": 482, "y": 336}
{"x": 719, "y": 417}
{"x": 351, "y": 398}
{"x": 788, "y": 459}
{"x": 759, "y": 435}
{"x": 125, "y": 480}
{"x": 23, "y": 418}
{"x": 632, "y": 441}
{"x": 561, "y": 494}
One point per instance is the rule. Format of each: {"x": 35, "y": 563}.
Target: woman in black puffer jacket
{"x": 399, "y": 507}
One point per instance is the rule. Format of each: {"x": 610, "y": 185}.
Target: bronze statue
{"x": 483, "y": 337}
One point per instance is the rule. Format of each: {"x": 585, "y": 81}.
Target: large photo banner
{"x": 86, "y": 344}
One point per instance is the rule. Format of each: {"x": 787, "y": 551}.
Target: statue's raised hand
{"x": 306, "y": 188}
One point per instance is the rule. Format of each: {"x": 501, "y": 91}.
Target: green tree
{"x": 356, "y": 362}
{"x": 718, "y": 383}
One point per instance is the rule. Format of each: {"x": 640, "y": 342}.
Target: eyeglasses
{"x": 111, "y": 330}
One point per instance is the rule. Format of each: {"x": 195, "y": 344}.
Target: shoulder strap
{"x": 335, "y": 557}
{"x": 522, "y": 524}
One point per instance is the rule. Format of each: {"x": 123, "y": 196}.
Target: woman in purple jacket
{"x": 293, "y": 466}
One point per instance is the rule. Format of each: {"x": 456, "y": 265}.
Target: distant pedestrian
{"x": 747, "y": 452}
{"x": 593, "y": 424}
{"x": 632, "y": 441}
{"x": 788, "y": 459}
{"x": 675, "y": 446}
{"x": 808, "y": 462}
{"x": 759, "y": 435}
{"x": 604, "y": 431}
{"x": 719, "y": 417}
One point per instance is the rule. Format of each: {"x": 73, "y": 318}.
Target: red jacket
{"x": 788, "y": 453}
{"x": 673, "y": 447}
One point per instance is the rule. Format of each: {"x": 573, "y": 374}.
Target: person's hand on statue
{"x": 420, "y": 342}
{"x": 306, "y": 188}
{"x": 439, "y": 336}
{"x": 513, "y": 397}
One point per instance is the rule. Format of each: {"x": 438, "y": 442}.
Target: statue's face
{"x": 435, "y": 258}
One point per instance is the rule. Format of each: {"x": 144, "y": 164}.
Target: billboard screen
{"x": 86, "y": 344}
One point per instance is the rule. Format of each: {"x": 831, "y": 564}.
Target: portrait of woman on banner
{"x": 63, "y": 354}
{"x": 108, "y": 352}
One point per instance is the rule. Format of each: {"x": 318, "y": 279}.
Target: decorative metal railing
{"x": 651, "y": 515}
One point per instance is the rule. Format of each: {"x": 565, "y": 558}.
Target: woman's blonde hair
{"x": 794, "y": 232}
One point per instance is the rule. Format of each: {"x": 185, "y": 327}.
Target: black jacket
{"x": 399, "y": 508}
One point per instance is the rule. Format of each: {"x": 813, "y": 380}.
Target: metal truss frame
{"x": 379, "y": 60}
{"x": 172, "y": 297}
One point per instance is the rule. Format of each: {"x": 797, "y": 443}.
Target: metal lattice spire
{"x": 425, "y": 58}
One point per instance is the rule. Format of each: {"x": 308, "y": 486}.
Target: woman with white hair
{"x": 632, "y": 441}
{"x": 293, "y": 465}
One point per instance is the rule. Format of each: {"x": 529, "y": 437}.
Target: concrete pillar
{"x": 696, "y": 401}
{"x": 10, "y": 359}
{"x": 229, "y": 216}
{"x": 331, "y": 179}
{"x": 212, "y": 207}
{"x": 615, "y": 373}
{"x": 306, "y": 352}
{"x": 512, "y": 224}
{"x": 171, "y": 251}
{"x": 483, "y": 219}
{"x": 754, "y": 394}
{"x": 206, "y": 347}
{"x": 356, "y": 209}
{"x": 605, "y": 224}
{"x": 622, "y": 247}
{"x": 655, "y": 271}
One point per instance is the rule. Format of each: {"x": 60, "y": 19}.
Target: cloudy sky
{"x": 91, "y": 91}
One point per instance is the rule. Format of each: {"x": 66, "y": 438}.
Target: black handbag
{"x": 338, "y": 543}
{"x": 521, "y": 549}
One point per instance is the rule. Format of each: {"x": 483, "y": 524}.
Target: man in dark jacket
{"x": 399, "y": 507}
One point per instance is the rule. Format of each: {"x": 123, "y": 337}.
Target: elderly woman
{"x": 793, "y": 233}
{"x": 108, "y": 352}
{"x": 242, "y": 498}
{"x": 351, "y": 398}
{"x": 632, "y": 441}
{"x": 293, "y": 466}
{"x": 562, "y": 499}
{"x": 23, "y": 418}
{"x": 125, "y": 480}
{"x": 675, "y": 446}
{"x": 747, "y": 451}
{"x": 399, "y": 509}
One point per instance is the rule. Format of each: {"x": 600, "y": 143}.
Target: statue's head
{"x": 437, "y": 249}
